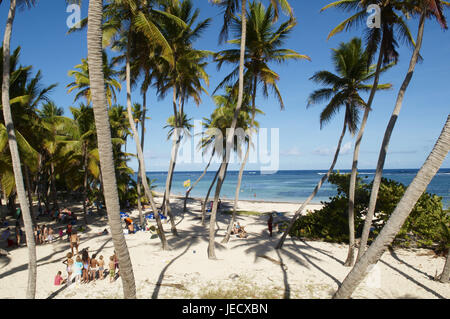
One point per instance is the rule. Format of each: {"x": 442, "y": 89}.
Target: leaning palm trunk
{"x": 196, "y": 182}
{"x": 230, "y": 136}
{"x": 386, "y": 139}
{"x": 445, "y": 276}
{"x": 398, "y": 217}
{"x": 12, "y": 142}
{"x": 173, "y": 161}
{"x": 144, "y": 111}
{"x": 316, "y": 189}
{"x": 351, "y": 193}
{"x": 105, "y": 149}
{"x": 236, "y": 196}
{"x": 241, "y": 170}
{"x": 207, "y": 197}
{"x": 142, "y": 170}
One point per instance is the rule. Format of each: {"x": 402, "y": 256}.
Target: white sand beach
{"x": 246, "y": 268}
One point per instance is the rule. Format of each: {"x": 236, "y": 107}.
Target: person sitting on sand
{"x": 74, "y": 241}
{"x": 101, "y": 267}
{"x": 112, "y": 269}
{"x": 93, "y": 270}
{"x": 59, "y": 279}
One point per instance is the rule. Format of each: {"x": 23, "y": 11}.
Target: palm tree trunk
{"x": 207, "y": 197}
{"x": 387, "y": 137}
{"x": 53, "y": 186}
{"x": 196, "y": 182}
{"x": 173, "y": 160}
{"x": 398, "y": 217}
{"x": 351, "y": 193}
{"x": 316, "y": 189}
{"x": 15, "y": 157}
{"x": 30, "y": 196}
{"x": 244, "y": 162}
{"x": 144, "y": 111}
{"x": 445, "y": 276}
{"x": 85, "y": 182}
{"x": 230, "y": 136}
{"x": 140, "y": 154}
{"x": 97, "y": 82}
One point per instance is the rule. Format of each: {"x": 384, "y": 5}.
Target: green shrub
{"x": 422, "y": 228}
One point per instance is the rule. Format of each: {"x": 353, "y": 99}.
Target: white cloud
{"x": 294, "y": 151}
{"x": 325, "y": 151}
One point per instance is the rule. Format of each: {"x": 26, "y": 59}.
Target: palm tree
{"x": 425, "y": 8}
{"x": 82, "y": 84}
{"x": 15, "y": 157}
{"x": 264, "y": 45}
{"x": 216, "y": 128}
{"x": 343, "y": 91}
{"x": 139, "y": 21}
{"x": 184, "y": 78}
{"x": 230, "y": 7}
{"x": 84, "y": 117}
{"x": 398, "y": 217}
{"x": 99, "y": 101}
{"x": 393, "y": 29}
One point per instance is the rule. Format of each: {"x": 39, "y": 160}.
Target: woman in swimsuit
{"x": 86, "y": 261}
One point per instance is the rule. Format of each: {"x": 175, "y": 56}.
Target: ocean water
{"x": 290, "y": 186}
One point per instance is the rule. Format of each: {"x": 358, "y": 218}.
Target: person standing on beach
{"x": 269, "y": 224}
{"x": 18, "y": 233}
{"x": 74, "y": 241}
{"x": 69, "y": 231}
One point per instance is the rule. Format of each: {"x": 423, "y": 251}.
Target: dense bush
{"x": 424, "y": 227}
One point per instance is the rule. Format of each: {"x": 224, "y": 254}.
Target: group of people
{"x": 43, "y": 234}
{"x": 83, "y": 269}
{"x": 239, "y": 231}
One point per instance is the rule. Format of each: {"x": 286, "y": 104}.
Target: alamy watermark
{"x": 74, "y": 19}
{"x": 264, "y": 147}
{"x": 374, "y": 19}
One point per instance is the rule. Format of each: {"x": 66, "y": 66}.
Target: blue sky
{"x": 42, "y": 34}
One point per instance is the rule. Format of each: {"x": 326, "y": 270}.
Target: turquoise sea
{"x": 291, "y": 186}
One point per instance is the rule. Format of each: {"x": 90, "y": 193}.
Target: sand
{"x": 245, "y": 268}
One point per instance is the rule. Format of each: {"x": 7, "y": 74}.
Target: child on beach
{"x": 112, "y": 269}
{"x": 69, "y": 264}
{"x": 101, "y": 267}
{"x": 78, "y": 269}
{"x": 86, "y": 265}
{"x": 44, "y": 234}
{"x": 94, "y": 264}
{"x": 50, "y": 234}
{"x": 59, "y": 279}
